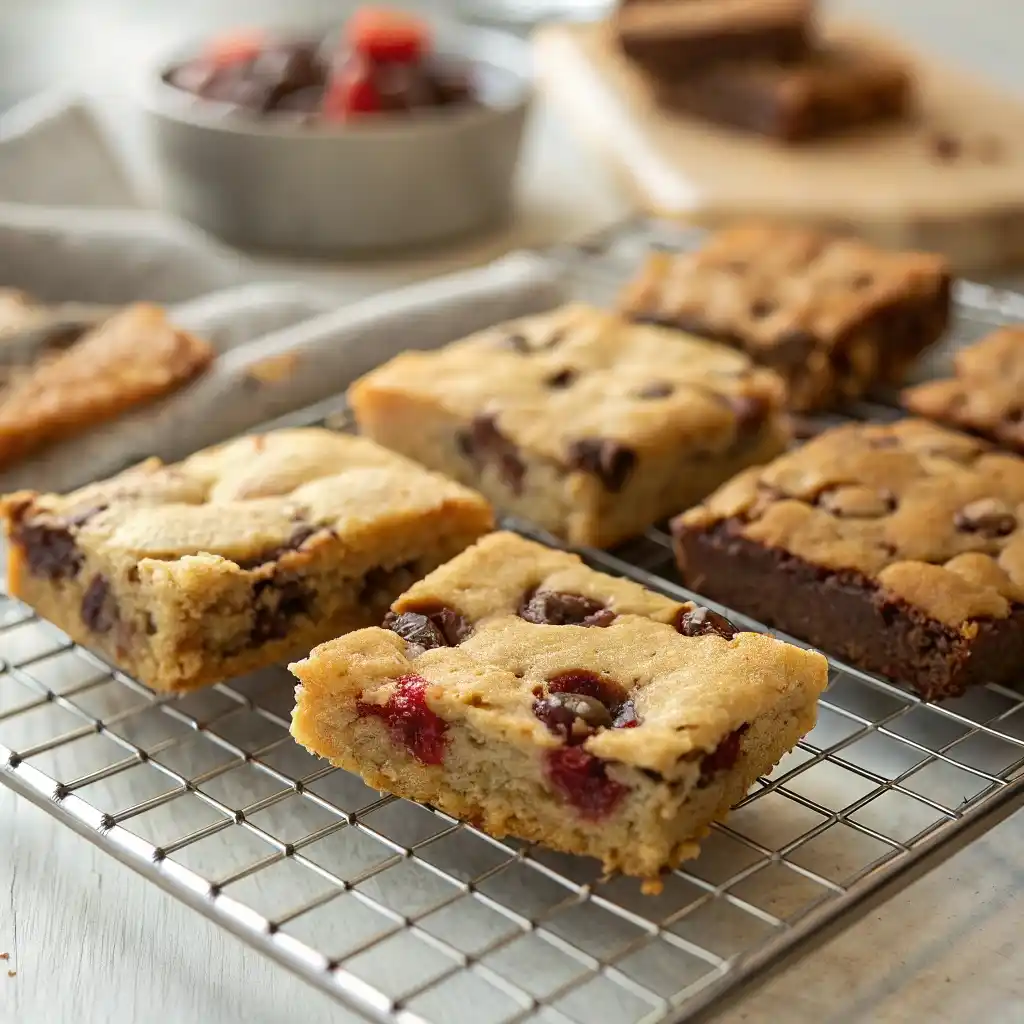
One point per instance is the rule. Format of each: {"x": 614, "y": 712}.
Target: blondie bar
{"x": 133, "y": 357}
{"x": 518, "y": 689}
{"x": 986, "y": 394}
{"x": 675, "y": 37}
{"x": 832, "y": 315}
{"x": 899, "y": 548}
{"x": 592, "y": 427}
{"x": 832, "y": 90}
{"x": 242, "y": 555}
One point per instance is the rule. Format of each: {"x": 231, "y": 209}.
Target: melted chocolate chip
{"x": 750, "y": 411}
{"x": 610, "y": 461}
{"x": 792, "y": 348}
{"x": 299, "y": 536}
{"x": 415, "y": 629}
{"x": 857, "y": 502}
{"x": 946, "y": 147}
{"x": 656, "y": 389}
{"x": 988, "y": 517}
{"x": 429, "y": 625}
{"x": 562, "y": 379}
{"x": 485, "y": 443}
{"x": 277, "y": 601}
{"x": 48, "y": 543}
{"x": 760, "y": 308}
{"x": 516, "y": 342}
{"x": 557, "y": 608}
{"x": 703, "y": 621}
{"x": 581, "y": 680}
{"x": 626, "y": 716}
{"x": 99, "y": 609}
{"x": 573, "y": 716}
{"x": 862, "y": 281}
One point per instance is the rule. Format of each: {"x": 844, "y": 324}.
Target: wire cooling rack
{"x": 407, "y": 915}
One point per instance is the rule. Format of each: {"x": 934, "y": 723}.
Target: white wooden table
{"x": 92, "y": 943}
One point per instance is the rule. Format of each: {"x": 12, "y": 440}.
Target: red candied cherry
{"x": 236, "y": 47}
{"x": 410, "y": 721}
{"x": 384, "y": 36}
{"x": 583, "y": 780}
{"x": 723, "y": 758}
{"x": 351, "y": 92}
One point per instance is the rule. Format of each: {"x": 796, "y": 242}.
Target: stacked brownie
{"x": 758, "y": 65}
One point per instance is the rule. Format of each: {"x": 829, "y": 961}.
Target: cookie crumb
{"x": 12, "y": 974}
{"x": 652, "y": 886}
{"x": 945, "y": 146}
{"x": 991, "y": 149}
{"x": 5, "y": 956}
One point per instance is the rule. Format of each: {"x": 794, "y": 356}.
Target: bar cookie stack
{"x": 760, "y": 66}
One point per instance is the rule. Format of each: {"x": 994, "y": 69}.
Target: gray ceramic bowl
{"x": 390, "y": 182}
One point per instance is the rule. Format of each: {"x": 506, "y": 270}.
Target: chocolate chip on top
{"x": 704, "y": 621}
{"x": 611, "y": 462}
{"x": 853, "y": 502}
{"x": 554, "y": 608}
{"x": 989, "y": 517}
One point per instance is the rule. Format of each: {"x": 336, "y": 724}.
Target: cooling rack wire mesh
{"x": 407, "y": 915}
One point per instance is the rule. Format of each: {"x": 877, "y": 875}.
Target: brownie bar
{"x": 518, "y": 689}
{"x": 986, "y": 394}
{"x": 832, "y": 91}
{"x": 241, "y": 556}
{"x": 587, "y": 425}
{"x": 676, "y": 37}
{"x": 832, "y": 315}
{"x": 134, "y": 357}
{"x": 898, "y": 548}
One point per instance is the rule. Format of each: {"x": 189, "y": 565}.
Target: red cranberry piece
{"x": 609, "y": 461}
{"x": 573, "y": 716}
{"x": 722, "y": 758}
{"x": 556, "y": 608}
{"x": 410, "y": 721}
{"x": 382, "y": 35}
{"x": 583, "y": 780}
{"x": 702, "y": 621}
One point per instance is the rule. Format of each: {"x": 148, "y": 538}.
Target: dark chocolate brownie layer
{"x": 832, "y": 91}
{"x": 847, "y": 615}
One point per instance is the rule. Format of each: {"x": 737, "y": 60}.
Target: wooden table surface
{"x": 91, "y": 943}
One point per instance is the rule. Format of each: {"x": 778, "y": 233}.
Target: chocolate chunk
{"x": 581, "y": 680}
{"x": 792, "y": 348}
{"x": 750, "y": 411}
{"x": 656, "y": 389}
{"x": 99, "y": 609}
{"x": 760, "y": 308}
{"x": 277, "y": 602}
{"x": 485, "y": 443}
{"x": 988, "y": 516}
{"x": 415, "y": 629}
{"x": 610, "y": 461}
{"x": 703, "y": 621}
{"x": 430, "y": 625}
{"x": 557, "y": 608}
{"x": 562, "y": 379}
{"x": 48, "y": 543}
{"x": 573, "y": 716}
{"x": 299, "y": 536}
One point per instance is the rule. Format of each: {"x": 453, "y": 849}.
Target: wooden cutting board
{"x": 950, "y": 180}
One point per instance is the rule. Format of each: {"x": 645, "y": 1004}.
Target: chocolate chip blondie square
{"x": 592, "y": 427}
{"x": 520, "y": 690}
{"x": 241, "y": 556}
{"x": 832, "y": 315}
{"x": 985, "y": 396}
{"x": 899, "y": 548}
